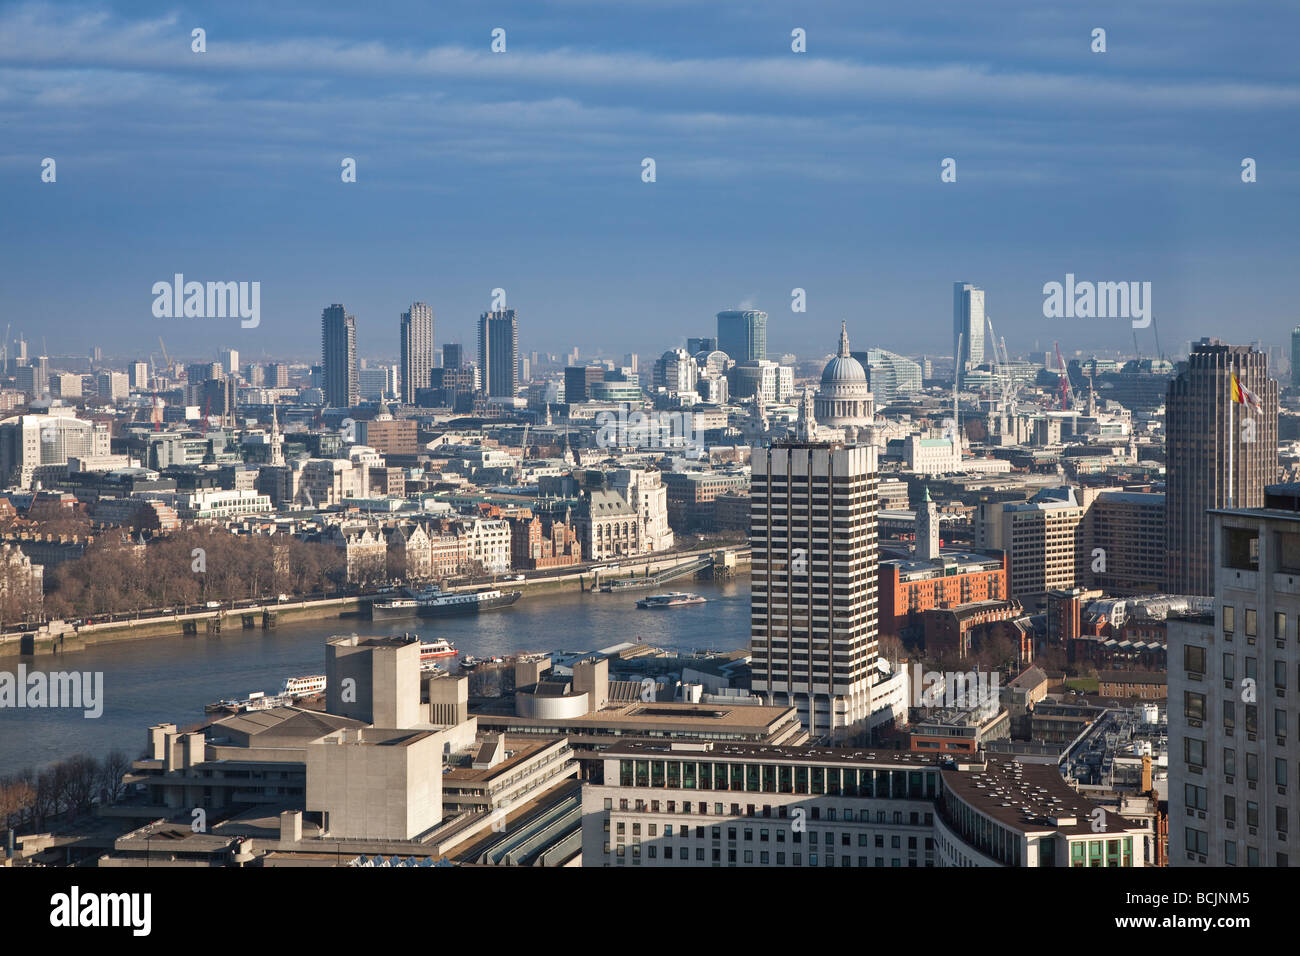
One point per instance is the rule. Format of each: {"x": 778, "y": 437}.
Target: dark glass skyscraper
{"x": 498, "y": 353}
{"x": 743, "y": 335}
{"x": 1199, "y": 416}
{"x": 453, "y": 355}
{"x": 417, "y": 350}
{"x": 341, "y": 384}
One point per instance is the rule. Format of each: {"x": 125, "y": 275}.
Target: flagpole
{"x": 1232, "y": 414}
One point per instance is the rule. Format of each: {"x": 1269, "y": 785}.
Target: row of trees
{"x": 188, "y": 567}
{"x": 72, "y": 786}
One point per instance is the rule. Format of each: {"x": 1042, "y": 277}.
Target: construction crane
{"x": 166, "y": 358}
{"x": 1001, "y": 363}
{"x": 1067, "y": 391}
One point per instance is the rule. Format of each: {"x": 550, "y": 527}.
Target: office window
{"x": 1193, "y": 659}
{"x": 1193, "y": 705}
{"x": 1229, "y": 618}
{"x": 1250, "y": 622}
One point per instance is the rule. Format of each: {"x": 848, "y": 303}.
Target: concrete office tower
{"x": 112, "y": 386}
{"x": 1295, "y": 357}
{"x": 967, "y": 327}
{"x": 417, "y": 350}
{"x": 277, "y": 375}
{"x": 813, "y": 604}
{"x": 498, "y": 353}
{"x": 341, "y": 384}
{"x": 743, "y": 335}
{"x": 374, "y": 679}
{"x": 139, "y": 373}
{"x": 230, "y": 361}
{"x": 1233, "y": 749}
{"x": 453, "y": 355}
{"x": 1199, "y": 416}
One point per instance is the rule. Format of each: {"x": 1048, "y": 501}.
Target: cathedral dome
{"x": 843, "y": 370}
{"x": 844, "y": 398}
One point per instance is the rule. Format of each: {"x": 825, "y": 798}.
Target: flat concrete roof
{"x": 1024, "y": 796}
{"x": 744, "y": 751}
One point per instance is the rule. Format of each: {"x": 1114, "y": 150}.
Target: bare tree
{"x": 111, "y": 771}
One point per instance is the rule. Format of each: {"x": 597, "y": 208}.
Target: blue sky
{"x": 522, "y": 170}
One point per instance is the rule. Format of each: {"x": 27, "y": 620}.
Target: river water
{"x": 170, "y": 679}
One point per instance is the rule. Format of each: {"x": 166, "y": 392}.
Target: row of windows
{"x": 764, "y": 857}
{"x": 774, "y": 778}
{"x": 1197, "y": 843}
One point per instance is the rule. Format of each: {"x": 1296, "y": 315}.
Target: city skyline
{"x": 649, "y": 435}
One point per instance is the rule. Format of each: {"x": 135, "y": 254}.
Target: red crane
{"x": 1066, "y": 390}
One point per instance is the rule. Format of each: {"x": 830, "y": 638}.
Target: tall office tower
{"x": 1233, "y": 749}
{"x": 813, "y": 605}
{"x": 198, "y": 372}
{"x": 578, "y": 380}
{"x": 229, "y": 361}
{"x": 417, "y": 350}
{"x": 1199, "y": 417}
{"x": 696, "y": 345}
{"x": 967, "y": 327}
{"x": 277, "y": 375}
{"x": 339, "y": 357}
{"x": 453, "y": 355}
{"x": 1295, "y": 357}
{"x": 112, "y": 385}
{"x": 743, "y": 335}
{"x": 255, "y": 375}
{"x": 498, "y": 353}
{"x": 139, "y": 373}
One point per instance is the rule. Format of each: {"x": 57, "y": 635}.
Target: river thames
{"x": 171, "y": 679}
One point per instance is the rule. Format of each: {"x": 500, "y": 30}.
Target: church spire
{"x": 844, "y": 340}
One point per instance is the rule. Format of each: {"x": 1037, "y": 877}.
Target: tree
{"x": 114, "y": 767}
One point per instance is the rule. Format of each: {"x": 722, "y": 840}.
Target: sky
{"x": 523, "y": 170}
